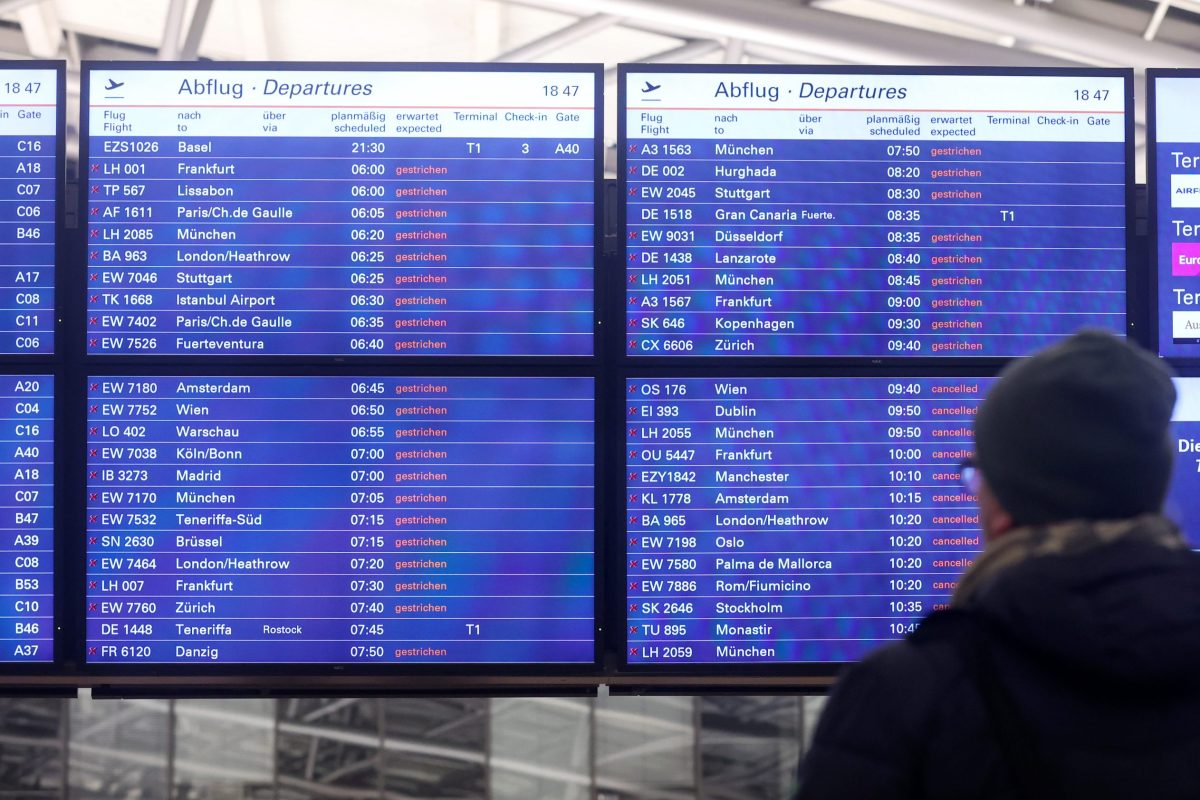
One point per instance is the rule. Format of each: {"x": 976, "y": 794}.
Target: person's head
{"x": 1076, "y": 431}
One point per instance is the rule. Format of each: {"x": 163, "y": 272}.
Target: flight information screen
{"x": 1176, "y": 191}
{"x": 785, "y": 213}
{"x": 340, "y": 520}
{"x": 27, "y": 489}
{"x": 1183, "y": 502}
{"x": 29, "y": 150}
{"x": 276, "y": 211}
{"x": 777, "y": 520}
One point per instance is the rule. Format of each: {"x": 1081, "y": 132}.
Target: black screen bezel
{"x": 1134, "y": 309}
{"x": 202, "y": 361}
{"x": 1154, "y": 276}
{"x": 287, "y": 678}
{"x": 646, "y": 367}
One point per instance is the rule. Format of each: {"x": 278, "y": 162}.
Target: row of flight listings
{"x": 349, "y": 520}
{"x": 370, "y": 520}
{"x": 414, "y": 210}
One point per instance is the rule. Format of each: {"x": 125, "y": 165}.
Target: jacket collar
{"x": 1063, "y": 538}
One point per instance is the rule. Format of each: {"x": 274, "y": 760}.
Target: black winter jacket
{"x": 1098, "y": 656}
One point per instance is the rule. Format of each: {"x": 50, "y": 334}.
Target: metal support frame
{"x": 9, "y": 6}
{"x": 182, "y": 32}
{"x": 173, "y": 31}
{"x": 1156, "y": 20}
{"x": 195, "y": 30}
{"x": 805, "y": 29}
{"x": 1184, "y": 5}
{"x": 560, "y": 38}
{"x": 43, "y": 33}
{"x": 735, "y": 51}
{"x": 1048, "y": 29}
{"x": 688, "y": 51}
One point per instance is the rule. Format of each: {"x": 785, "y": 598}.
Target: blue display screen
{"x": 339, "y": 212}
{"x": 862, "y": 215}
{"x": 27, "y": 504}
{"x": 1183, "y": 502}
{"x": 340, "y": 520}
{"x": 1177, "y": 200}
{"x": 808, "y": 519}
{"x": 28, "y": 207}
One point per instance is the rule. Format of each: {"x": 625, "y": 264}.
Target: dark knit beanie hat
{"x": 1078, "y": 431}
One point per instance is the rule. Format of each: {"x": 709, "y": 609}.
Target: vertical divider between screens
{"x": 1150, "y": 279}
{"x": 613, "y": 431}
{"x": 602, "y": 353}
{"x": 1139, "y": 323}
{"x": 73, "y": 403}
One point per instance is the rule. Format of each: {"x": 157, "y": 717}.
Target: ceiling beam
{"x": 827, "y": 34}
{"x": 195, "y": 30}
{"x": 735, "y": 50}
{"x": 168, "y": 50}
{"x": 43, "y": 33}
{"x": 782, "y": 56}
{"x": 1033, "y": 25}
{"x": 688, "y": 51}
{"x": 556, "y": 40}
{"x": 9, "y": 6}
{"x": 252, "y": 21}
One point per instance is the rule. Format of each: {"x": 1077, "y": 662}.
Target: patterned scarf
{"x": 1062, "y": 538}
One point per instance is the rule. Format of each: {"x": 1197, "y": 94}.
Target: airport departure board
{"x": 29, "y": 166}
{"x": 338, "y": 520}
{"x": 1183, "y": 501}
{"x": 789, "y": 520}
{"x": 279, "y": 211}
{"x": 27, "y": 578}
{"x": 871, "y": 213}
{"x": 1176, "y": 189}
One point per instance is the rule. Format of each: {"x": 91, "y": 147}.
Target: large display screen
{"x": 868, "y": 213}
{"x": 1175, "y": 163}
{"x": 274, "y": 210}
{"x": 800, "y": 520}
{"x": 27, "y": 491}
{"x": 1183, "y": 502}
{"x": 29, "y": 153}
{"x": 793, "y": 519}
{"x": 365, "y": 520}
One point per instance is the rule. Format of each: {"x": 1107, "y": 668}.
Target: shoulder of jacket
{"x": 918, "y": 671}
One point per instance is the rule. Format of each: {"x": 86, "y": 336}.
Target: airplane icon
{"x": 112, "y": 84}
{"x": 650, "y": 87}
